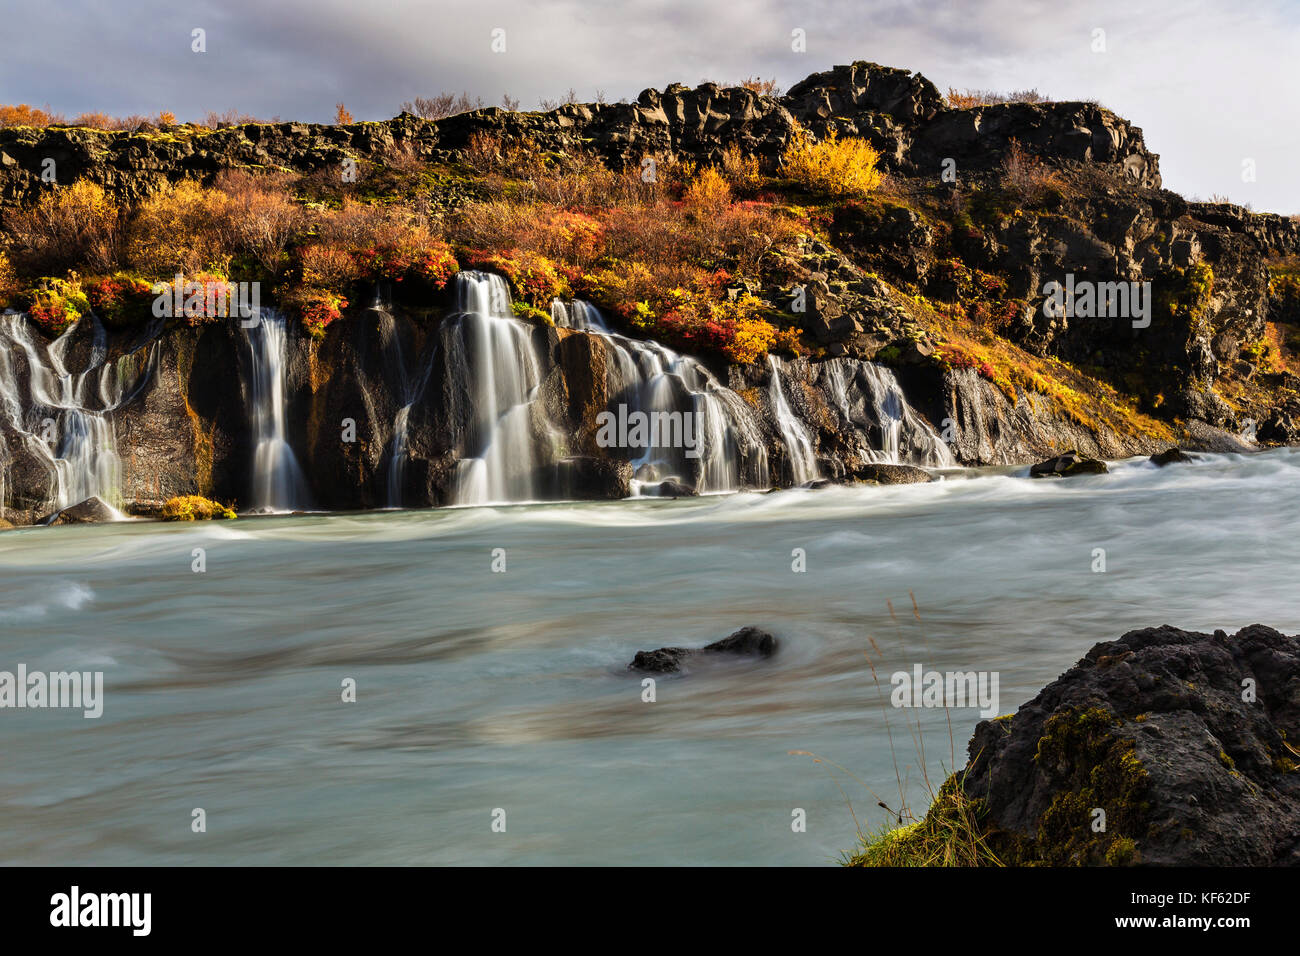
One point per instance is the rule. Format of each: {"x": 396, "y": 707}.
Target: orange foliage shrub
{"x": 68, "y": 226}
{"x": 180, "y": 229}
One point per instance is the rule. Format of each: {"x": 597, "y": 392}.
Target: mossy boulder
{"x": 195, "y": 508}
{"x": 1166, "y": 747}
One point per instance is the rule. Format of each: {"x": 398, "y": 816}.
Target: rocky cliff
{"x": 986, "y": 208}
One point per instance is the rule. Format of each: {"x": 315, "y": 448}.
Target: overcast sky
{"x": 1212, "y": 84}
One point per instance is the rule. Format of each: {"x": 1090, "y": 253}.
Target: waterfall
{"x": 872, "y": 405}
{"x": 278, "y": 482}
{"x": 64, "y": 419}
{"x": 503, "y": 373}
{"x": 798, "y": 446}
{"x": 409, "y": 390}
{"x": 650, "y": 378}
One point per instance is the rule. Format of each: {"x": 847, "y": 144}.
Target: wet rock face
{"x": 1185, "y": 740}
{"x": 747, "y": 642}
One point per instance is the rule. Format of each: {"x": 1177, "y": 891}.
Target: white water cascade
{"x": 278, "y": 482}
{"x": 64, "y": 419}
{"x": 871, "y": 402}
{"x": 798, "y": 446}
{"x": 650, "y": 378}
{"x": 504, "y": 371}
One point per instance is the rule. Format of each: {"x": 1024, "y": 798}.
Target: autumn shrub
{"x": 56, "y": 304}
{"x": 316, "y": 308}
{"x": 203, "y": 297}
{"x": 742, "y": 170}
{"x": 195, "y": 508}
{"x": 1025, "y": 176}
{"x": 328, "y": 266}
{"x": 119, "y": 299}
{"x": 833, "y": 166}
{"x": 8, "y": 281}
{"x": 23, "y": 115}
{"x": 708, "y": 193}
{"x": 696, "y": 321}
{"x": 966, "y": 99}
{"x": 182, "y": 229}
{"x": 257, "y": 215}
{"x": 76, "y": 226}
{"x": 533, "y": 278}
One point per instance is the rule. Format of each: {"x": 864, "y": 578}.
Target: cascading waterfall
{"x": 649, "y": 378}
{"x": 65, "y": 419}
{"x": 410, "y": 390}
{"x": 871, "y": 402}
{"x": 504, "y": 372}
{"x": 278, "y": 482}
{"x": 798, "y": 446}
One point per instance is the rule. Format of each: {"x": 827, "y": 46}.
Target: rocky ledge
{"x": 1163, "y": 748}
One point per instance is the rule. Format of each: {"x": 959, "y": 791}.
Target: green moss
{"x": 1092, "y": 767}
{"x": 952, "y": 834}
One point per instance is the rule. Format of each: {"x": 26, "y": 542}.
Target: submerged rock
{"x": 1170, "y": 456}
{"x": 1183, "y": 740}
{"x": 748, "y": 641}
{"x": 891, "y": 474}
{"x": 1068, "y": 465}
{"x": 93, "y": 510}
{"x": 675, "y": 489}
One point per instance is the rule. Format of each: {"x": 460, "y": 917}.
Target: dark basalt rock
{"x": 675, "y": 489}
{"x": 1068, "y": 465}
{"x": 93, "y": 510}
{"x": 1184, "y": 739}
{"x": 891, "y": 474}
{"x": 748, "y": 641}
{"x": 1170, "y": 456}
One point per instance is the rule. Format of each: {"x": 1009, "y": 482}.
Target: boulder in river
{"x": 94, "y": 510}
{"x": 671, "y": 488}
{"x": 1187, "y": 742}
{"x": 884, "y": 474}
{"x": 1170, "y": 456}
{"x": 1068, "y": 465}
{"x": 748, "y": 641}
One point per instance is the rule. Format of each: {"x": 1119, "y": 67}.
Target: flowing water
{"x": 803, "y": 463}
{"x": 63, "y": 417}
{"x": 278, "y": 481}
{"x": 651, "y": 378}
{"x": 479, "y": 690}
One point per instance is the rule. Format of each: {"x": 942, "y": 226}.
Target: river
{"x": 479, "y": 689}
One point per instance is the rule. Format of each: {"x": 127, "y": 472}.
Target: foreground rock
{"x": 1180, "y": 738}
{"x": 891, "y": 474}
{"x": 748, "y": 641}
{"x": 1068, "y": 465}
{"x": 1170, "y": 457}
{"x": 93, "y": 510}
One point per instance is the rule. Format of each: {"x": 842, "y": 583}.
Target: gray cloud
{"x": 1211, "y": 84}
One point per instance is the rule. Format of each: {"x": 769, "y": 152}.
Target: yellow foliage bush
{"x": 195, "y": 508}
{"x": 178, "y": 230}
{"x": 67, "y": 227}
{"x": 708, "y": 192}
{"x": 833, "y": 166}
